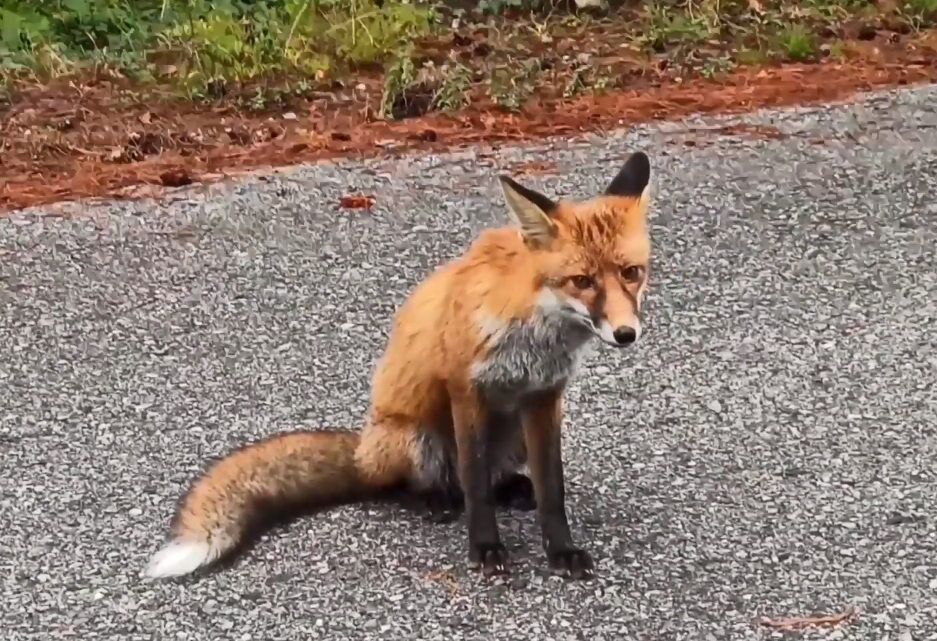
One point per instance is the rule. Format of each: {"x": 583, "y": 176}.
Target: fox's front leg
{"x": 542, "y": 419}
{"x": 473, "y": 443}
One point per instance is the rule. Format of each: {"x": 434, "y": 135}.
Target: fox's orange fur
{"x": 469, "y": 385}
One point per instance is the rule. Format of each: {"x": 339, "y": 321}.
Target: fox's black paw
{"x": 444, "y": 506}
{"x": 571, "y": 563}
{"x": 490, "y": 558}
{"x": 516, "y": 491}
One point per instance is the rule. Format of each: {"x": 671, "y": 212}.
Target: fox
{"x": 466, "y": 400}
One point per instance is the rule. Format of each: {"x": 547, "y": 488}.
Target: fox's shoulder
{"x": 495, "y": 250}
{"x": 495, "y": 274}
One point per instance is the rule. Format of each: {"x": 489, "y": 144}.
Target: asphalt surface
{"x": 768, "y": 449}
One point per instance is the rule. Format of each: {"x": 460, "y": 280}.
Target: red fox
{"x": 468, "y": 391}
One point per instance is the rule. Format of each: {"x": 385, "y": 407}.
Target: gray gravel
{"x": 769, "y": 449}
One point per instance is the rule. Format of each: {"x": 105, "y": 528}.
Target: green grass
{"x": 921, "y": 6}
{"x": 511, "y": 85}
{"x": 667, "y": 27}
{"x": 201, "y": 44}
{"x": 920, "y": 13}
{"x": 797, "y": 42}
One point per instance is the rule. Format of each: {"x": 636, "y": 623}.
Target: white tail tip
{"x": 180, "y": 557}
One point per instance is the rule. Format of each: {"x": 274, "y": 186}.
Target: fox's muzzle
{"x": 619, "y": 322}
{"x": 620, "y": 336}
{"x": 625, "y": 335}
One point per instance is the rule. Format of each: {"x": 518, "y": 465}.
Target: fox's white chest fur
{"x": 535, "y": 355}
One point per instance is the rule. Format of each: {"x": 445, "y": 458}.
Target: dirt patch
{"x": 62, "y": 141}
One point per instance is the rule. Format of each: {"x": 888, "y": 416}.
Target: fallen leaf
{"x": 445, "y": 579}
{"x": 356, "y": 202}
{"x": 799, "y": 623}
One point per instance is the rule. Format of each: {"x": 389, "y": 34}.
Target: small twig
{"x": 799, "y": 623}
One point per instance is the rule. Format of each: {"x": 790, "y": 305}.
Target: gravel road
{"x": 768, "y": 449}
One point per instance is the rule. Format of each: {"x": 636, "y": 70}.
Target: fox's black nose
{"x": 624, "y": 335}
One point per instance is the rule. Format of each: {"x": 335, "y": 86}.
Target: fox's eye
{"x": 632, "y": 273}
{"x": 582, "y": 281}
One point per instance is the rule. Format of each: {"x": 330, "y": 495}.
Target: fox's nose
{"x": 624, "y": 335}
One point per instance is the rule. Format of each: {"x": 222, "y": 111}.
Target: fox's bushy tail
{"x": 236, "y": 493}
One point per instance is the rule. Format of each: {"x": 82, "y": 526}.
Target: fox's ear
{"x": 531, "y": 211}
{"x": 632, "y": 180}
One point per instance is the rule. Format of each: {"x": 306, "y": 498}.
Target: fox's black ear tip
{"x": 633, "y": 176}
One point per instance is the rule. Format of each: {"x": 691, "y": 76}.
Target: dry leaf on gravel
{"x": 445, "y": 579}
{"x": 800, "y": 623}
{"x": 356, "y": 202}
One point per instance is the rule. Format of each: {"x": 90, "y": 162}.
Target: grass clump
{"x": 797, "y": 42}
{"x": 511, "y": 85}
{"x": 200, "y": 44}
{"x": 410, "y": 91}
{"x": 919, "y": 13}
{"x": 667, "y": 26}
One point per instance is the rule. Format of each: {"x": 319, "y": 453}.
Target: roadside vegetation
{"x": 120, "y": 81}
{"x": 431, "y": 54}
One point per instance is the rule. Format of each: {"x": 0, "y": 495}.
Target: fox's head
{"x": 591, "y": 258}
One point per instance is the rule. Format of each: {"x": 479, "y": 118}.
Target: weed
{"x": 797, "y": 42}
{"x": 511, "y": 85}
{"x": 398, "y": 79}
{"x": 919, "y": 13}
{"x": 665, "y": 27}
{"x": 409, "y": 91}
{"x": 716, "y": 66}
{"x": 585, "y": 78}
{"x": 921, "y": 7}
{"x": 452, "y": 93}
{"x": 837, "y": 50}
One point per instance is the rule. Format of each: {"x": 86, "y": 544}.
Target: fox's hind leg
{"x": 436, "y": 482}
{"x": 425, "y": 460}
{"x": 419, "y": 461}
{"x": 512, "y": 487}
